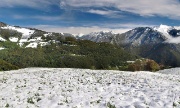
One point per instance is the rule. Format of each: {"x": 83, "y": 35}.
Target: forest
{"x": 71, "y": 53}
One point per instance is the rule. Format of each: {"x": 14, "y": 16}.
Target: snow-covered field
{"x": 78, "y": 88}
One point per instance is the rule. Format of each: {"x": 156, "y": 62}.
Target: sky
{"x": 85, "y": 16}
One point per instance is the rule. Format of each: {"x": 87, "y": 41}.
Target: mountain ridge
{"x": 161, "y": 43}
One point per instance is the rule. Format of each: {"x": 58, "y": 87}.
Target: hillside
{"x": 68, "y": 88}
{"x": 29, "y": 47}
{"x": 157, "y": 43}
{"x": 28, "y": 37}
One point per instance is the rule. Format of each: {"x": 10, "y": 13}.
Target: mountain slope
{"x": 29, "y": 37}
{"x": 103, "y": 36}
{"x": 139, "y": 36}
{"x": 159, "y": 43}
{"x": 29, "y": 47}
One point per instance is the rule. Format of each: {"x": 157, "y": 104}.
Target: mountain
{"x": 102, "y": 36}
{"x": 28, "y": 37}
{"x": 160, "y": 43}
{"x": 139, "y": 36}
{"x": 29, "y": 47}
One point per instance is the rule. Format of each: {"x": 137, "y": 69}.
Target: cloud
{"x": 116, "y": 28}
{"x": 101, "y": 12}
{"x": 107, "y": 13}
{"x": 45, "y": 18}
{"x": 127, "y": 25}
{"x": 29, "y": 3}
{"x": 77, "y": 30}
{"x": 165, "y": 8}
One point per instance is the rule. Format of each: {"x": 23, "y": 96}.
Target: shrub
{"x": 4, "y": 66}
{"x": 144, "y": 65}
{"x": 151, "y": 65}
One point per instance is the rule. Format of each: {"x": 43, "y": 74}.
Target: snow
{"x": 174, "y": 71}
{"x": 36, "y": 39}
{"x": 44, "y": 43}
{"x": 23, "y": 40}
{"x": 164, "y": 30}
{"x": 24, "y": 31}
{"x": 83, "y": 88}
{"x": 13, "y": 39}
{"x": 47, "y": 34}
{"x": 1, "y": 48}
{"x": 2, "y": 39}
{"x": 78, "y": 35}
{"x": 32, "y": 45}
{"x": 32, "y": 40}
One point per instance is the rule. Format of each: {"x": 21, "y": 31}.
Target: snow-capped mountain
{"x": 160, "y": 43}
{"x": 102, "y": 36}
{"x": 139, "y": 36}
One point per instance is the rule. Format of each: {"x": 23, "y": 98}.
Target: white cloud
{"x": 77, "y": 30}
{"x": 127, "y": 25}
{"x": 165, "y": 8}
{"x": 29, "y": 3}
{"x": 107, "y": 13}
{"x": 45, "y": 18}
{"x": 101, "y": 12}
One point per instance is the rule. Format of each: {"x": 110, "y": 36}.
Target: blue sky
{"x": 84, "y": 16}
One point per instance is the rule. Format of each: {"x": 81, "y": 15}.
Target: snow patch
{"x": 47, "y": 34}
{"x": 2, "y": 39}
{"x": 24, "y": 31}
{"x": 44, "y": 43}
{"x": 32, "y": 45}
{"x": 13, "y": 39}
{"x": 23, "y": 40}
{"x": 1, "y": 48}
{"x": 36, "y": 39}
{"x": 78, "y": 35}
